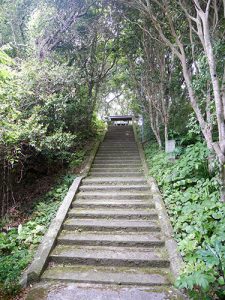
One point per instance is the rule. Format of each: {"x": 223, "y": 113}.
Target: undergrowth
{"x": 191, "y": 196}
{"x": 17, "y": 245}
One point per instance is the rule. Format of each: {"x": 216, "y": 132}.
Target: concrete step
{"x": 116, "y": 156}
{"x": 118, "y": 133}
{"x": 113, "y": 145}
{"x": 108, "y": 225}
{"x": 110, "y": 256}
{"x": 107, "y": 203}
{"x": 122, "y": 133}
{"x": 117, "y": 165}
{"x": 122, "y": 175}
{"x": 122, "y": 152}
{"x": 117, "y": 170}
{"x": 120, "y": 195}
{"x": 114, "y": 188}
{"x": 105, "y": 238}
{"x": 119, "y": 137}
{"x": 113, "y": 214}
{"x": 122, "y": 142}
{"x": 114, "y": 180}
{"x": 117, "y": 160}
{"x": 118, "y": 148}
{"x": 102, "y": 275}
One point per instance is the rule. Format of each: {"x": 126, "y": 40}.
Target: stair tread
{"x": 117, "y": 253}
{"x": 107, "y": 174}
{"x": 108, "y": 202}
{"x": 119, "y": 171}
{"x": 147, "y": 212}
{"x": 98, "y": 185}
{"x": 111, "y": 236}
{"x": 114, "y": 179}
{"x": 117, "y": 159}
{"x": 106, "y": 275}
{"x": 120, "y": 195}
{"x": 116, "y": 187}
{"x": 115, "y": 193}
{"x": 114, "y": 223}
{"x": 124, "y": 163}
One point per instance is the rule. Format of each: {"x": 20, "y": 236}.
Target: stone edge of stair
{"x": 176, "y": 261}
{"x": 39, "y": 261}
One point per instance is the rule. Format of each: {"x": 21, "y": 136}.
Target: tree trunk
{"x": 222, "y": 178}
{"x": 166, "y": 132}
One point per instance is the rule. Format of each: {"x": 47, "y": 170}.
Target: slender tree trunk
{"x": 214, "y": 78}
{"x": 157, "y": 135}
{"x": 158, "y": 138}
{"x": 222, "y": 178}
{"x": 206, "y": 130}
{"x": 166, "y": 132}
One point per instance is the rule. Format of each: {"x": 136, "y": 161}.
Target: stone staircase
{"x": 112, "y": 233}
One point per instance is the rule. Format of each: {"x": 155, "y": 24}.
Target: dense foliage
{"x": 191, "y": 197}
{"x": 17, "y": 245}
{"x": 48, "y": 102}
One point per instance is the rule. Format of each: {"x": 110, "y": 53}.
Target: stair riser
{"x": 117, "y": 154}
{"x": 111, "y": 228}
{"x": 115, "y": 142}
{"x": 117, "y": 166}
{"x": 112, "y": 243}
{"x": 126, "y": 217}
{"x": 114, "y": 146}
{"x": 114, "y": 152}
{"x": 117, "y": 170}
{"x": 123, "y": 141}
{"x": 117, "y": 160}
{"x": 117, "y": 157}
{"x": 120, "y": 171}
{"x": 107, "y": 281}
{"x": 116, "y": 174}
{"x": 120, "y": 135}
{"x": 102, "y": 188}
{"x": 113, "y": 197}
{"x": 118, "y": 149}
{"x": 96, "y": 206}
{"x": 107, "y": 149}
{"x": 114, "y": 182}
{"x": 124, "y": 147}
{"x": 111, "y": 262}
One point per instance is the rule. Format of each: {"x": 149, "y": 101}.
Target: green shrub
{"x": 18, "y": 244}
{"x": 192, "y": 196}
